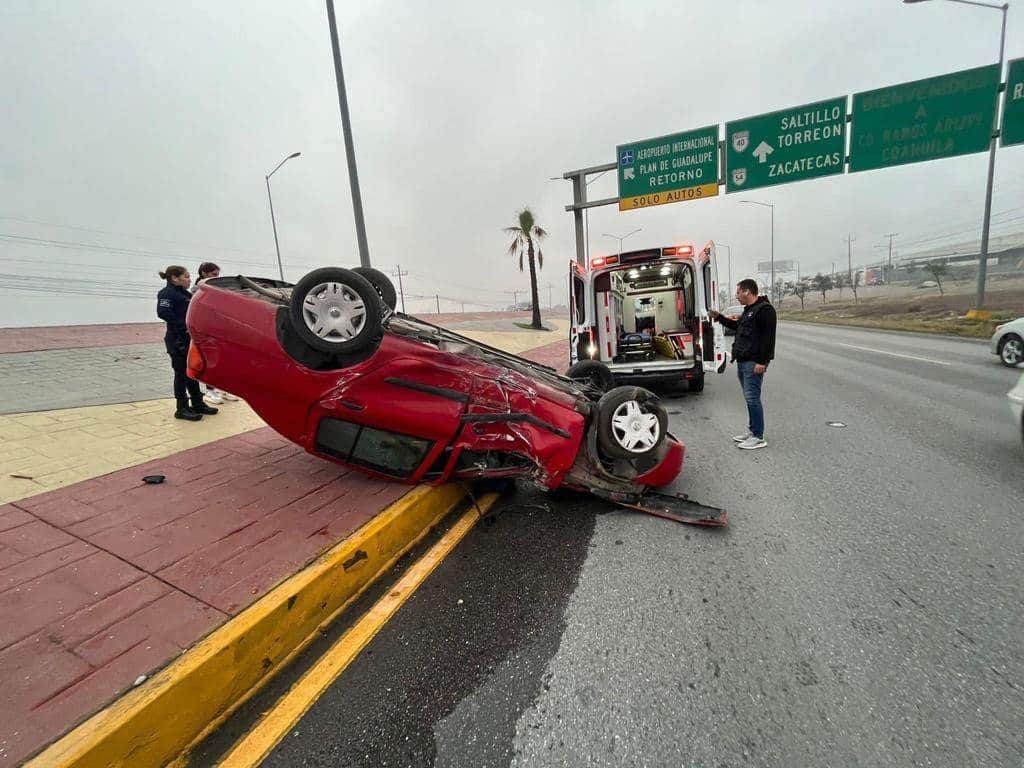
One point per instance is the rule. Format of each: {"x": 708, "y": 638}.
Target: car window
{"x": 389, "y": 453}
{"x": 490, "y": 461}
{"x": 579, "y": 292}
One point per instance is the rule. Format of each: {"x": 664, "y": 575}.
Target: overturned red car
{"x": 330, "y": 365}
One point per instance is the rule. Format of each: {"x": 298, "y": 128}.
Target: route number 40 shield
{"x": 740, "y": 141}
{"x": 739, "y": 176}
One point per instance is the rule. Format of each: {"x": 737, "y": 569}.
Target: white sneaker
{"x": 752, "y": 443}
{"x": 228, "y": 396}
{"x": 213, "y": 396}
{"x": 741, "y": 438}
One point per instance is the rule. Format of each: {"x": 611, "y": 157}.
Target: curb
{"x": 182, "y": 703}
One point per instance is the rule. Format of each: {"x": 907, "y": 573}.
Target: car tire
{"x": 696, "y": 384}
{"x": 381, "y": 283}
{"x": 1011, "y": 350}
{"x": 617, "y": 436}
{"x": 319, "y": 315}
{"x": 592, "y": 372}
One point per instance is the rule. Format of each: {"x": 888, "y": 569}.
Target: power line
{"x": 128, "y": 234}
{"x": 114, "y": 250}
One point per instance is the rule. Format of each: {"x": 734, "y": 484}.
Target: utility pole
{"x": 437, "y": 298}
{"x": 888, "y": 275}
{"x": 515, "y": 300}
{"x": 350, "y": 152}
{"x": 401, "y": 291}
{"x": 850, "y": 240}
{"x": 550, "y": 304}
{"x": 728, "y": 249}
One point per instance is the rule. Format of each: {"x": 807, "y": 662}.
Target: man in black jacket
{"x": 752, "y": 349}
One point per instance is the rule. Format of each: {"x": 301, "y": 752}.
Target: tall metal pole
{"x": 772, "y": 206}
{"x": 986, "y": 221}
{"x": 579, "y": 192}
{"x": 890, "y": 235}
{"x": 773, "y": 253}
{"x": 983, "y": 263}
{"x": 273, "y": 223}
{"x": 401, "y": 290}
{"x": 350, "y": 152}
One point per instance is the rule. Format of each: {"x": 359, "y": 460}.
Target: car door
{"x": 712, "y": 333}
{"x": 395, "y": 421}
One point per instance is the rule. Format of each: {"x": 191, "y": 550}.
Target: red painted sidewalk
{"x": 110, "y": 579}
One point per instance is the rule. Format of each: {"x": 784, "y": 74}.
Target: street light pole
{"x": 728, "y": 249}
{"x": 772, "y": 206}
{"x": 987, "y": 219}
{"x": 350, "y": 152}
{"x": 620, "y": 239}
{"x": 273, "y": 220}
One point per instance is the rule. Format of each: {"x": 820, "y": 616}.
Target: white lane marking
{"x": 895, "y": 354}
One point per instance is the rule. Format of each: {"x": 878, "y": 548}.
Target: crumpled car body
{"x": 423, "y": 405}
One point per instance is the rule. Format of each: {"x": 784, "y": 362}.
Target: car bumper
{"x": 1016, "y": 398}
{"x": 994, "y": 344}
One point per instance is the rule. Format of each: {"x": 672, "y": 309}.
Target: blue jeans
{"x": 751, "y": 383}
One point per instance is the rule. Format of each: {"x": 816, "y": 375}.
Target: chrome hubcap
{"x": 1013, "y": 352}
{"x": 633, "y": 429}
{"x": 334, "y": 312}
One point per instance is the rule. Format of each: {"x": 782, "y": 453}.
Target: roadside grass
{"x": 529, "y": 327}
{"x": 919, "y": 313}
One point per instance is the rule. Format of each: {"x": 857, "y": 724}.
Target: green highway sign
{"x": 669, "y": 169}
{"x": 1013, "y": 106}
{"x": 927, "y": 119}
{"x": 789, "y": 145}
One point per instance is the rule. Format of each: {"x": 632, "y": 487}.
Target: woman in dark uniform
{"x": 171, "y": 307}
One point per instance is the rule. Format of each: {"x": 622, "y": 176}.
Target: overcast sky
{"x": 153, "y": 123}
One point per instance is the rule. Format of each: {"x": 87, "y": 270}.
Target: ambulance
{"x": 646, "y": 316}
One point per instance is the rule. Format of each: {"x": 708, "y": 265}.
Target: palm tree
{"x": 523, "y": 238}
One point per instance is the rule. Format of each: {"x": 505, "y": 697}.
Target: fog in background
{"x": 137, "y": 135}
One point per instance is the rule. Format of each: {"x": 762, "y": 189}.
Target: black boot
{"x": 186, "y": 412}
{"x": 203, "y": 409}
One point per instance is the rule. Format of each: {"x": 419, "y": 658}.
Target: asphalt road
{"x": 864, "y": 608}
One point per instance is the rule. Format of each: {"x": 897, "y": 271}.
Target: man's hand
{"x": 715, "y": 314}
{"x": 760, "y": 369}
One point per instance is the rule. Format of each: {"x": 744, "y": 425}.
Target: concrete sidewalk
{"x": 111, "y": 579}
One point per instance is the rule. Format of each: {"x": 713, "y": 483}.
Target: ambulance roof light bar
{"x": 603, "y": 261}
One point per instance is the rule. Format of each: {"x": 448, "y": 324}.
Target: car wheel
{"x": 335, "y": 310}
{"x": 592, "y": 372}
{"x": 1011, "y": 350}
{"x": 696, "y": 384}
{"x": 381, "y": 283}
{"x": 631, "y": 423}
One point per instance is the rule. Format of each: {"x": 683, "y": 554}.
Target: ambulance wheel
{"x": 592, "y": 372}
{"x": 631, "y": 423}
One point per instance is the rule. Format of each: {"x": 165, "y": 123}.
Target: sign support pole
{"x": 983, "y": 256}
